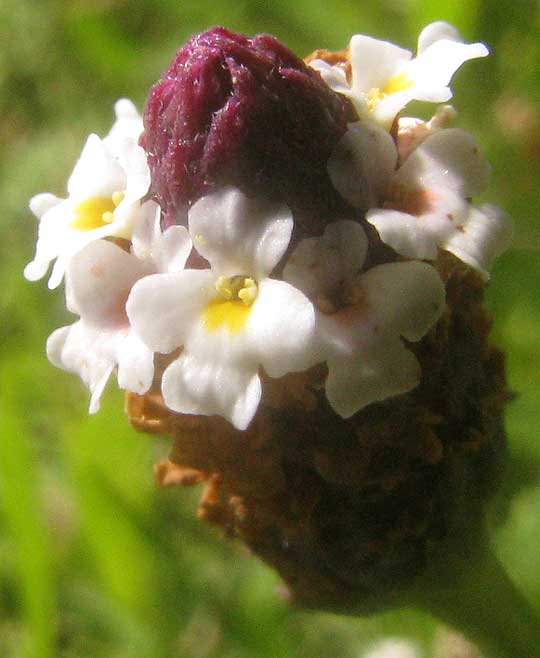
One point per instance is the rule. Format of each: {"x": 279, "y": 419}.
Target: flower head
{"x": 105, "y": 192}
{"x": 365, "y": 315}
{"x": 384, "y": 78}
{"x": 383, "y": 400}
{"x": 99, "y": 279}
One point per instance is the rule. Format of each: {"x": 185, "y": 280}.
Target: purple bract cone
{"x": 231, "y": 109}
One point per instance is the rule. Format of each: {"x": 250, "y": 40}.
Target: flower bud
{"x": 247, "y": 112}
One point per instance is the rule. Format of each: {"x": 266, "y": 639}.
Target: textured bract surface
{"x": 248, "y": 112}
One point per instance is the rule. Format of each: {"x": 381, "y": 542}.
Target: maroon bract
{"x": 231, "y": 109}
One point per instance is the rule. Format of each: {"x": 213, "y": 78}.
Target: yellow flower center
{"x": 95, "y": 212}
{"x": 232, "y": 306}
{"x": 397, "y": 83}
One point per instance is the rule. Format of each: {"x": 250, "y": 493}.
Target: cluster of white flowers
{"x": 128, "y": 282}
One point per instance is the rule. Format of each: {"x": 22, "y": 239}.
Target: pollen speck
{"x": 117, "y": 198}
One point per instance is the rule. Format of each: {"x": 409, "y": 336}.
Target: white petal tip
{"x": 487, "y": 233}
{"x": 41, "y": 203}
{"x": 125, "y": 108}
{"x": 34, "y": 272}
{"x": 54, "y": 281}
{"x": 480, "y": 50}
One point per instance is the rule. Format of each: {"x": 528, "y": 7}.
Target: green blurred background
{"x": 94, "y": 561}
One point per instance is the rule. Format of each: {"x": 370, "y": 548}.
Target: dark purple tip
{"x": 247, "y": 112}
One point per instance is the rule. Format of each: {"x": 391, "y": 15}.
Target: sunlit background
{"x": 95, "y": 562}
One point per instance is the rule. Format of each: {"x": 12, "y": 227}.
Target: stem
{"x": 487, "y": 607}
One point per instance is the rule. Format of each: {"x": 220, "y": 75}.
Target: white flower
{"x": 104, "y": 198}
{"x": 385, "y": 77}
{"x": 365, "y": 315}
{"x": 364, "y": 160}
{"x": 229, "y": 319}
{"x": 427, "y": 206}
{"x": 99, "y": 279}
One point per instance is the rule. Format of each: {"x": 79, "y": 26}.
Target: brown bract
{"x": 350, "y": 512}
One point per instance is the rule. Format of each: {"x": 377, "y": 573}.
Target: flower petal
{"x": 386, "y": 369}
{"x": 146, "y": 230}
{"x": 389, "y": 106}
{"x": 84, "y": 351}
{"x": 135, "y": 165}
{"x": 483, "y": 236}
{"x": 362, "y": 163}
{"x": 173, "y": 249}
{"x": 374, "y": 62}
{"x": 318, "y": 265}
{"x": 42, "y": 203}
{"x": 54, "y": 215}
{"x": 449, "y": 158}
{"x": 239, "y": 235}
{"x": 100, "y": 279}
{"x": 36, "y": 269}
{"x": 168, "y": 250}
{"x": 193, "y": 386}
{"x": 164, "y": 308}
{"x": 128, "y": 122}
{"x": 435, "y": 32}
{"x": 334, "y": 76}
{"x": 135, "y": 364}
{"x": 58, "y": 240}
{"x": 435, "y": 65}
{"x": 405, "y": 233}
{"x": 97, "y": 172}
{"x": 412, "y": 131}
{"x": 280, "y": 330}
{"x": 405, "y": 298}
{"x": 93, "y": 353}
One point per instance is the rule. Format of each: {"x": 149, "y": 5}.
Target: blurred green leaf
{"x": 20, "y": 495}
